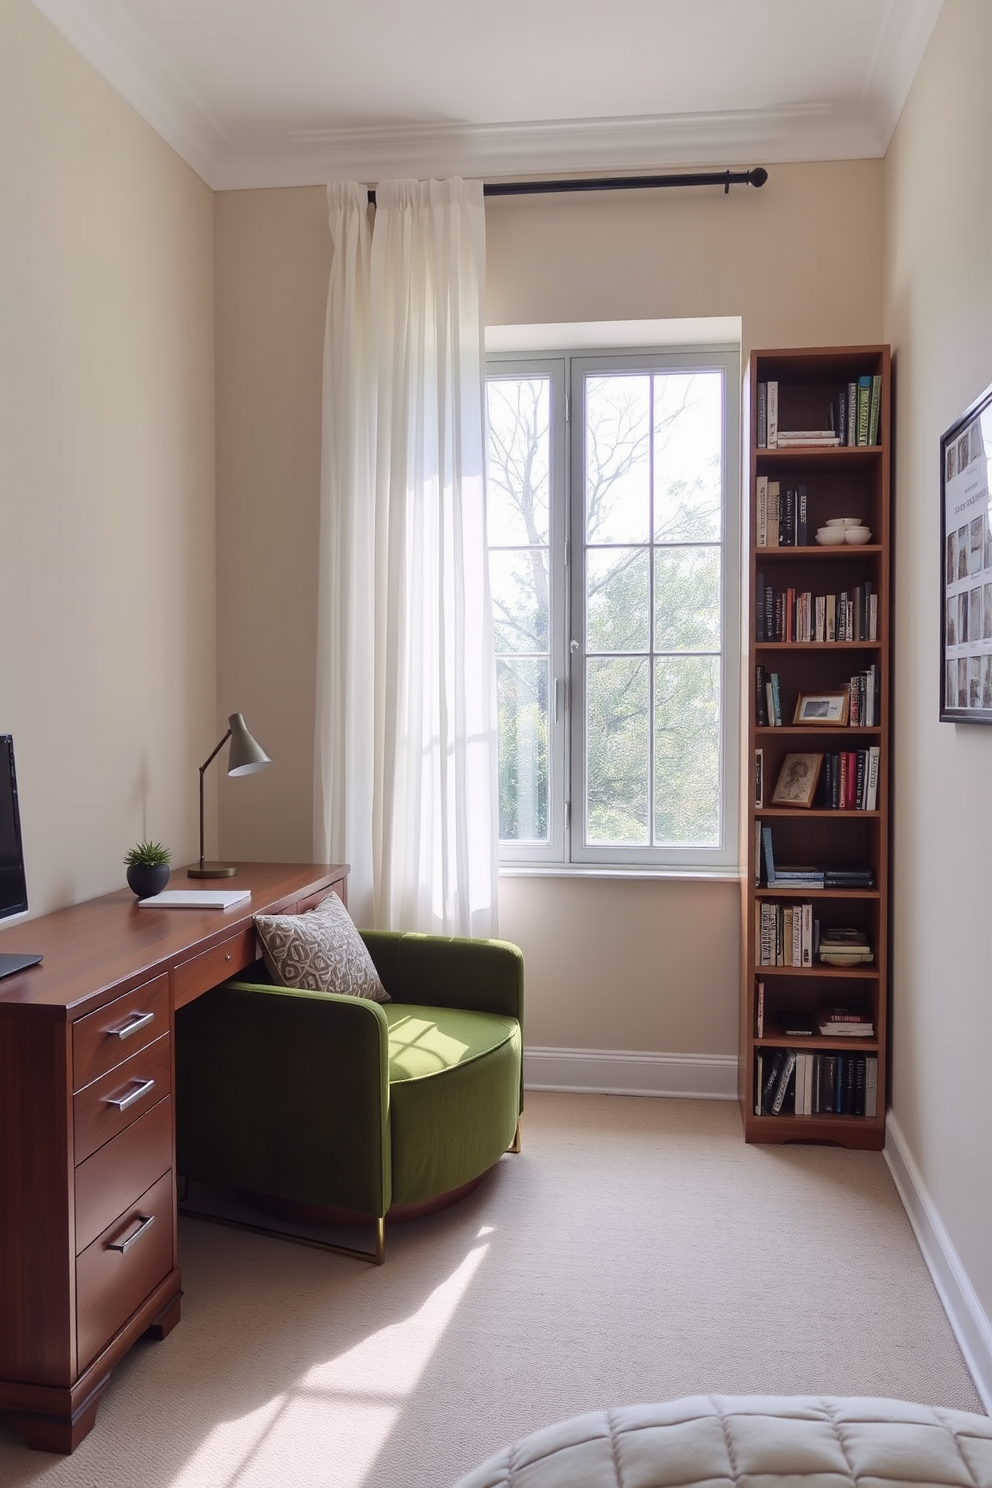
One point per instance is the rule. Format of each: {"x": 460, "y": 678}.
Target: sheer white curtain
{"x": 406, "y": 713}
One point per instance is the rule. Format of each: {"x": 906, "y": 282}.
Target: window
{"x": 613, "y": 561}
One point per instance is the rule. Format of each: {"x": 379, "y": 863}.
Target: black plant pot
{"x": 147, "y": 879}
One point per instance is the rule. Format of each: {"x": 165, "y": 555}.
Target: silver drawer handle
{"x": 123, "y": 1101}
{"x": 138, "y": 1020}
{"x": 144, "y": 1220}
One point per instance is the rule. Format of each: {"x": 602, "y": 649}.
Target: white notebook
{"x": 196, "y": 899}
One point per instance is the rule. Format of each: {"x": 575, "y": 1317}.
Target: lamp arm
{"x": 203, "y": 767}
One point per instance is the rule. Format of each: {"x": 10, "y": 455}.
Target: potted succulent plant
{"x": 147, "y": 868}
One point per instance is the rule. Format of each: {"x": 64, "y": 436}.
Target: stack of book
{"x": 848, "y": 876}
{"x": 845, "y": 946}
{"x": 807, "y": 439}
{"x": 841, "y": 1020}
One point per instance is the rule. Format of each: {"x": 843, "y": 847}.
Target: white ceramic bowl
{"x": 832, "y": 537}
{"x": 843, "y": 521}
{"x": 857, "y": 534}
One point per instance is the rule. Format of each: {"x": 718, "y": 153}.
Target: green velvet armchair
{"x": 356, "y": 1107}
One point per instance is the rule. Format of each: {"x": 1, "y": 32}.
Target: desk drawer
{"x": 112, "y": 1283}
{"x": 111, "y": 1103}
{"x": 107, "y": 1182}
{"x": 198, "y": 975}
{"x": 111, "y": 1034}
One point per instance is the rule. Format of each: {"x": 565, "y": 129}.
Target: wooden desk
{"x": 88, "y": 1254}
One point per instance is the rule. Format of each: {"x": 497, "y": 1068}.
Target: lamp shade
{"x": 244, "y": 756}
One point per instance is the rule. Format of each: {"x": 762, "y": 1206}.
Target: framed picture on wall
{"x": 966, "y": 566}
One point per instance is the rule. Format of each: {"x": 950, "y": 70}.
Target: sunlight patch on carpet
{"x": 352, "y": 1401}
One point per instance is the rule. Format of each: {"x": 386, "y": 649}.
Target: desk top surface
{"x": 111, "y": 943}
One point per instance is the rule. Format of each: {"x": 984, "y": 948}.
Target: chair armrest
{"x": 286, "y": 1093}
{"x": 485, "y": 976}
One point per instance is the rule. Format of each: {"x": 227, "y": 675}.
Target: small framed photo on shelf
{"x": 831, "y": 709}
{"x": 966, "y": 566}
{"x": 797, "y": 780}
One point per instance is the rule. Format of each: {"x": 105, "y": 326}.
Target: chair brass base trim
{"x": 515, "y": 1144}
{"x": 374, "y": 1257}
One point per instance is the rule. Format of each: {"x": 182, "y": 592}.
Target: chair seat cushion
{"x": 424, "y": 1041}
{"x": 454, "y": 1095}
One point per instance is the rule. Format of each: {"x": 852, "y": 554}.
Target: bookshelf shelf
{"x": 819, "y": 972}
{"x": 800, "y": 596}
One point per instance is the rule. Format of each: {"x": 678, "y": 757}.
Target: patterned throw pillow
{"x": 319, "y": 951}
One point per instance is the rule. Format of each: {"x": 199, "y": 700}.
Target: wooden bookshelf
{"x": 783, "y": 637}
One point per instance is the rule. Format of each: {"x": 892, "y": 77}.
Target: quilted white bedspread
{"x": 751, "y": 1441}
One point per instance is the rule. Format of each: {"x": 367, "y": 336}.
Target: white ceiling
{"x": 297, "y": 92}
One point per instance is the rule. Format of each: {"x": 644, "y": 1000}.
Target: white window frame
{"x": 565, "y": 849}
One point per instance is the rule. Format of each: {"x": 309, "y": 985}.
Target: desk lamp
{"x": 244, "y": 758}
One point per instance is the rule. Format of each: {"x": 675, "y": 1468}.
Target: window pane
{"x": 522, "y": 692}
{"x": 687, "y": 599}
{"x": 617, "y": 752}
{"x": 688, "y": 456}
{"x": 618, "y": 459}
{"x": 617, "y": 599}
{"x": 519, "y": 582}
{"x": 687, "y": 751}
{"x": 518, "y": 469}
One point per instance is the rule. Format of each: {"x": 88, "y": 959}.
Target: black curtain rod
{"x": 726, "y": 179}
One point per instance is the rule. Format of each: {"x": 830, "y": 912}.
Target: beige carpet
{"x": 635, "y": 1250}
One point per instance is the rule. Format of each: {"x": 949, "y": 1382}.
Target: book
{"x": 760, "y": 698}
{"x": 871, "y": 1085}
{"x": 759, "y": 778}
{"x": 874, "y": 408}
{"x": 761, "y": 525}
{"x": 771, "y": 415}
{"x": 786, "y": 1075}
{"x": 871, "y": 783}
{"x": 802, "y": 518}
{"x": 771, "y": 1075}
{"x": 775, "y": 711}
{"x": 196, "y": 899}
{"x": 769, "y": 854}
{"x": 761, "y": 432}
{"x": 795, "y": 1023}
{"x": 759, "y": 1010}
{"x": 773, "y": 504}
{"x": 864, "y": 400}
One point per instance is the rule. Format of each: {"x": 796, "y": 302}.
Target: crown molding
{"x": 814, "y": 131}
{"x": 103, "y": 33}
{"x": 903, "y": 38}
{"x": 857, "y": 128}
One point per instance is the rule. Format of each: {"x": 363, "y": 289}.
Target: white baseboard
{"x": 967, "y": 1318}
{"x": 616, "y": 1072}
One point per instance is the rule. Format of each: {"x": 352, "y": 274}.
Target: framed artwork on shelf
{"x": 966, "y": 566}
{"x": 797, "y": 780}
{"x": 831, "y": 709}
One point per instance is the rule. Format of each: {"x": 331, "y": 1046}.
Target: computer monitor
{"x": 13, "y": 882}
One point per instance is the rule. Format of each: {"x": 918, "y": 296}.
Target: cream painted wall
{"x": 107, "y": 677}
{"x": 801, "y": 262}
{"x": 273, "y": 259}
{"x": 938, "y": 304}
